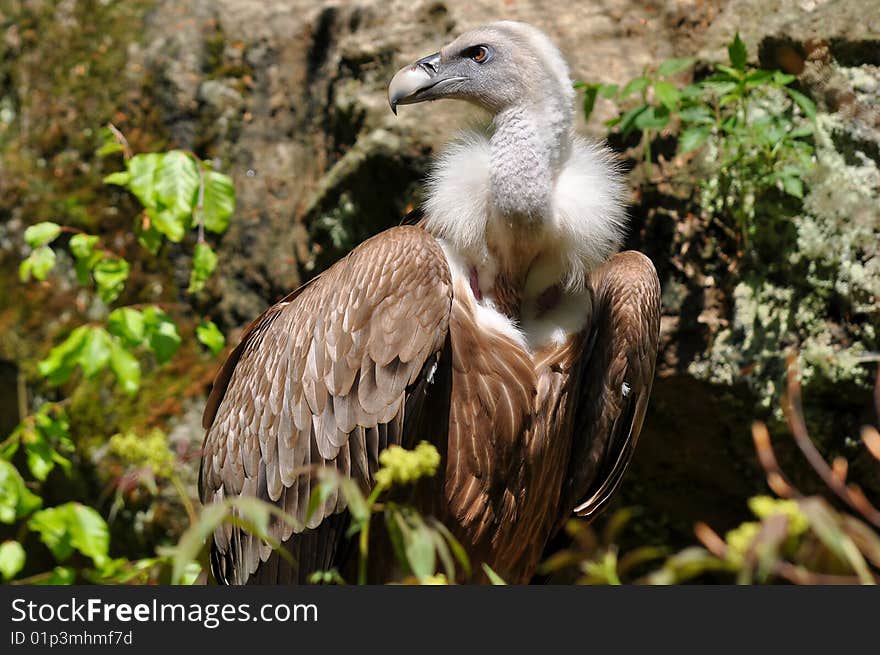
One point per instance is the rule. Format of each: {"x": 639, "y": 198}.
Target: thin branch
{"x": 776, "y": 479}
{"x": 871, "y": 439}
{"x": 119, "y": 137}
{"x": 802, "y": 576}
{"x": 851, "y": 495}
{"x": 794, "y": 574}
{"x": 877, "y": 395}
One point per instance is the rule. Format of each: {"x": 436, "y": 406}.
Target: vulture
{"x": 502, "y": 325}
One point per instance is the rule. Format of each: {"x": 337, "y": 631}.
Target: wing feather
{"x": 616, "y": 379}
{"x": 322, "y": 380}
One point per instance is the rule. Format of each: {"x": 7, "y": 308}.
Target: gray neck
{"x": 528, "y": 148}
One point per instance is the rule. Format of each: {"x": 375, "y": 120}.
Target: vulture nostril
{"x": 429, "y": 64}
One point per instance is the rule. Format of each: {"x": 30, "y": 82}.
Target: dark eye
{"x": 479, "y": 53}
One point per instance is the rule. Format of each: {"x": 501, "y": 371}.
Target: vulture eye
{"x": 479, "y": 53}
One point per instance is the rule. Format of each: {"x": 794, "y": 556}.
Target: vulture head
{"x": 524, "y": 204}
{"x": 497, "y": 67}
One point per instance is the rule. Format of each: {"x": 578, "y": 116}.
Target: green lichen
{"x": 820, "y": 296}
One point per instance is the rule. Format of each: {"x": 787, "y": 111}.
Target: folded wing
{"x": 325, "y": 378}
{"x": 618, "y": 370}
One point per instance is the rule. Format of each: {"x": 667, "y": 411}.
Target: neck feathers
{"x": 525, "y": 156}
{"x": 484, "y": 186}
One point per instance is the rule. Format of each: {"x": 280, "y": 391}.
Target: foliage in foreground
{"x": 796, "y": 538}
{"x": 179, "y": 194}
{"x": 427, "y": 553}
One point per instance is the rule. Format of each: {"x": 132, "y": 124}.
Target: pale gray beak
{"x": 418, "y": 82}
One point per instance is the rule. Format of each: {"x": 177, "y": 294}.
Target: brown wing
{"x": 324, "y": 378}
{"x": 616, "y": 380}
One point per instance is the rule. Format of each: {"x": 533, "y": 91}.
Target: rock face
{"x": 289, "y": 98}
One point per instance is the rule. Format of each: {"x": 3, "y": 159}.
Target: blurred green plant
{"x": 421, "y": 545}
{"x": 595, "y": 556}
{"x": 179, "y": 194}
{"x": 799, "y": 538}
{"x": 753, "y": 128}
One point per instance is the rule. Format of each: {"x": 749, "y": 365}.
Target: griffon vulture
{"x": 502, "y": 328}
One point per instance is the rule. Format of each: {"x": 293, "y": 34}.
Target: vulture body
{"x": 501, "y": 327}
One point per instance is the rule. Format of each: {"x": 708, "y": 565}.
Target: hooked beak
{"x": 420, "y": 81}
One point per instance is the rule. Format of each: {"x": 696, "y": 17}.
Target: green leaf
{"x": 41, "y": 233}
{"x": 161, "y": 332}
{"x": 718, "y": 87}
{"x": 12, "y": 559}
{"x": 494, "y": 578}
{"x": 127, "y": 323}
{"x": 126, "y": 368}
{"x": 692, "y": 138}
{"x": 39, "y": 454}
{"x": 70, "y": 527}
{"x": 64, "y": 357}
{"x": 9, "y": 447}
{"x": 204, "y": 263}
{"x": 142, "y": 182}
{"x": 95, "y": 352}
{"x": 149, "y": 238}
{"x": 636, "y": 85}
{"x": 737, "y": 53}
{"x": 590, "y": 93}
{"x": 793, "y": 186}
{"x": 120, "y": 178}
{"x": 211, "y": 336}
{"x": 692, "y": 92}
{"x": 758, "y": 77}
{"x": 248, "y": 513}
{"x": 701, "y": 115}
{"x": 454, "y": 545}
{"x": 16, "y": 500}
{"x": 177, "y": 181}
{"x": 783, "y": 79}
{"x": 418, "y": 542}
{"x": 653, "y": 118}
{"x": 627, "y": 120}
{"x": 825, "y": 525}
{"x": 667, "y": 94}
{"x": 319, "y": 494}
{"x": 218, "y": 204}
{"x": 39, "y": 263}
{"x": 109, "y": 148}
{"x": 110, "y": 275}
{"x": 673, "y": 66}
{"x": 608, "y": 90}
{"x": 171, "y": 224}
{"x": 83, "y": 245}
{"x": 807, "y": 106}
{"x": 40, "y": 438}
{"x": 801, "y": 131}
{"x": 61, "y": 575}
{"x": 83, "y": 248}
{"x": 732, "y": 73}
